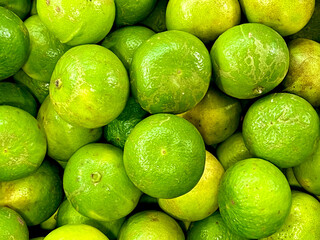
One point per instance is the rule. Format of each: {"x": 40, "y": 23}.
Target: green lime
{"x": 94, "y": 176}
{"x": 286, "y": 17}
{"x": 254, "y": 198}
{"x": 282, "y": 128}
{"x": 12, "y": 225}
{"x": 39, "y": 89}
{"x": 17, "y": 95}
{"x": 161, "y": 82}
{"x": 202, "y": 200}
{"x": 45, "y": 50}
{"x": 50, "y": 223}
{"x": 23, "y": 143}
{"x": 216, "y": 116}
{"x": 118, "y": 130}
{"x": 151, "y": 225}
{"x": 303, "y": 222}
{"x": 205, "y": 19}
{"x": 14, "y": 43}
{"x": 35, "y": 197}
{"x": 212, "y": 227}
{"x": 164, "y": 156}
{"x": 76, "y": 232}
{"x": 63, "y": 138}
{"x": 77, "y": 22}
{"x": 124, "y": 42}
{"x": 232, "y": 150}
{"x": 89, "y": 86}
{"x": 292, "y": 180}
{"x": 156, "y": 20}
{"x": 19, "y": 7}
{"x": 68, "y": 215}
{"x": 130, "y": 12}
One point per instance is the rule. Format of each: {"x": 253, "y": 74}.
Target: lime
{"x": 292, "y": 180}
{"x": 161, "y": 82}
{"x": 76, "y": 232}
{"x": 89, "y": 86}
{"x": 282, "y": 128}
{"x": 202, "y": 200}
{"x": 286, "y": 17}
{"x": 77, "y": 22}
{"x": 14, "y": 43}
{"x": 156, "y": 20}
{"x": 303, "y": 222}
{"x": 303, "y": 78}
{"x": 118, "y": 130}
{"x": 151, "y": 225}
{"x": 63, "y": 138}
{"x": 232, "y": 150}
{"x": 205, "y": 19}
{"x": 17, "y": 95}
{"x": 19, "y": 7}
{"x": 124, "y": 42}
{"x": 249, "y": 60}
{"x": 217, "y": 116}
{"x": 45, "y": 50}
{"x": 130, "y": 12}
{"x": 12, "y": 225}
{"x": 23, "y": 143}
{"x": 33, "y": 10}
{"x": 50, "y": 223}
{"x": 164, "y": 156}
{"x": 96, "y": 184}
{"x": 35, "y": 197}
{"x": 212, "y": 227}
{"x": 254, "y": 198}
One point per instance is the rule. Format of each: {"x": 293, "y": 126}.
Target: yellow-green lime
{"x": 19, "y": 7}
{"x": 202, "y": 200}
{"x": 63, "y": 138}
{"x": 161, "y": 82}
{"x": 50, "y": 223}
{"x": 254, "y": 198}
{"x": 156, "y": 20}
{"x": 14, "y": 43}
{"x": 77, "y": 22}
{"x": 23, "y": 144}
{"x": 205, "y": 19}
{"x": 282, "y": 128}
{"x": 249, "y": 60}
{"x": 89, "y": 86}
{"x": 151, "y": 225}
{"x": 292, "y": 180}
{"x": 96, "y": 184}
{"x": 164, "y": 156}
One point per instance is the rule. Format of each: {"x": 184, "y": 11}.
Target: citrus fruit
{"x": 77, "y": 22}
{"x": 161, "y": 82}
{"x": 164, "y": 156}
{"x": 303, "y": 222}
{"x": 232, "y": 150}
{"x": 12, "y": 225}
{"x": 89, "y": 86}
{"x": 33, "y": 10}
{"x": 156, "y": 20}
{"x": 19, "y": 7}
{"x": 23, "y": 143}
{"x": 249, "y": 60}
{"x": 35, "y": 197}
{"x": 45, "y": 50}
{"x": 17, "y": 95}
{"x": 302, "y": 78}
{"x": 68, "y": 215}
{"x": 286, "y": 17}
{"x": 96, "y": 184}
{"x": 124, "y": 42}
{"x": 212, "y": 227}
{"x": 129, "y": 12}
{"x": 216, "y": 116}
{"x": 63, "y": 138}
{"x": 203, "y": 18}
{"x": 254, "y": 198}
{"x": 118, "y": 130}
{"x": 292, "y": 180}
{"x": 50, "y": 223}
{"x": 202, "y": 200}
{"x": 282, "y": 128}
{"x": 151, "y": 225}
{"x": 14, "y": 43}
{"x": 76, "y": 232}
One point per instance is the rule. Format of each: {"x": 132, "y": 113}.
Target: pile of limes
{"x": 159, "y": 119}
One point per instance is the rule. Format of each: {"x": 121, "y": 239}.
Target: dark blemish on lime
{"x": 5, "y": 150}
{"x": 58, "y": 9}
{"x": 271, "y": 123}
{"x": 153, "y": 219}
{"x": 217, "y": 222}
{"x": 58, "y": 83}
{"x": 163, "y": 152}
{"x": 21, "y": 221}
{"x": 179, "y": 71}
{"x": 279, "y": 212}
{"x": 96, "y": 177}
{"x": 38, "y": 125}
{"x": 48, "y": 2}
{"x": 117, "y": 138}
{"x": 232, "y": 202}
